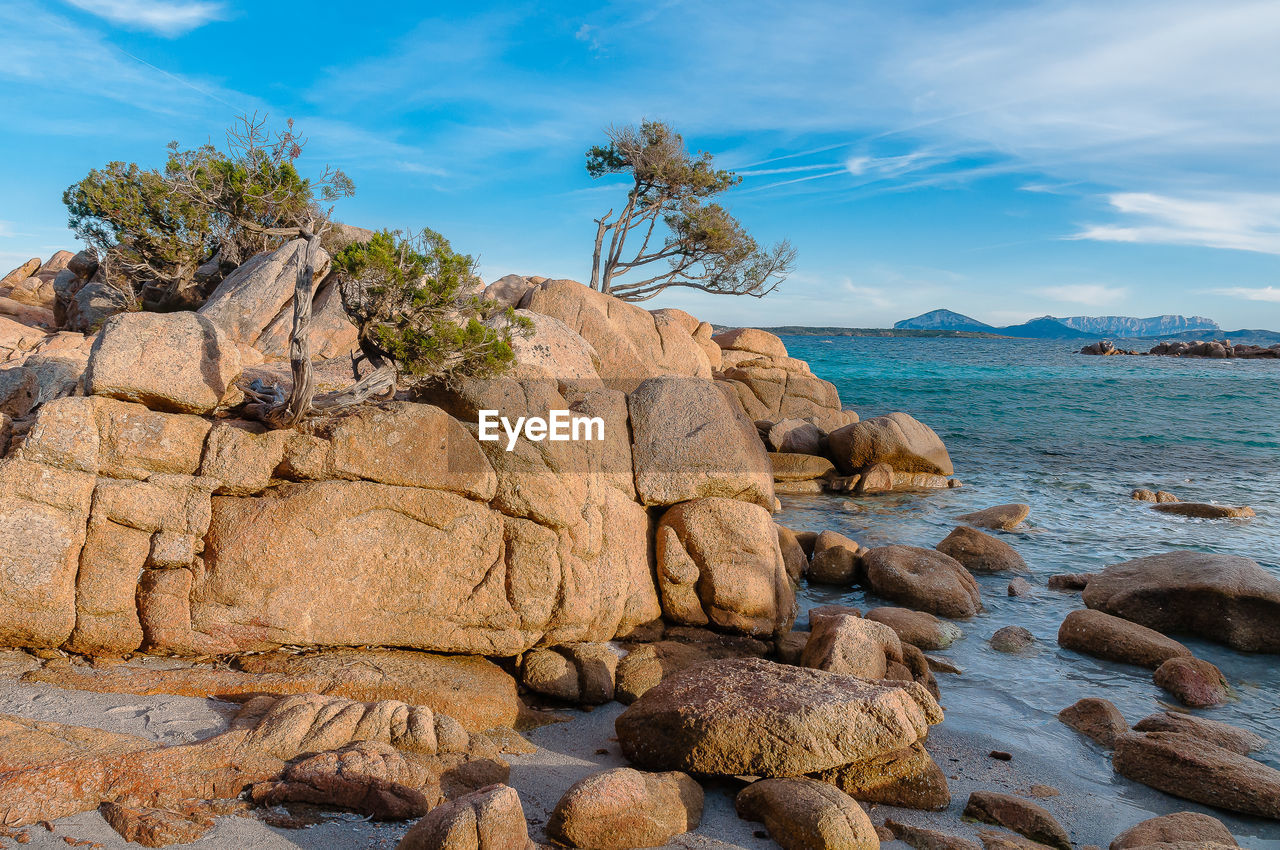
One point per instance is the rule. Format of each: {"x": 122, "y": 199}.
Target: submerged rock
{"x": 1199, "y": 510}
{"x": 1012, "y": 639}
{"x": 623, "y": 808}
{"x": 803, "y": 814}
{"x": 1104, "y": 636}
{"x": 1194, "y": 769}
{"x": 1225, "y": 598}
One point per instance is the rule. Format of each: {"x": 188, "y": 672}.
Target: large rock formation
{"x": 897, "y": 439}
{"x": 1225, "y": 598}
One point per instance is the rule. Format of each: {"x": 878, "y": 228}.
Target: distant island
{"x": 948, "y": 324}
{"x": 1071, "y": 327}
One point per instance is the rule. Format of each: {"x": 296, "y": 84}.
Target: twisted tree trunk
{"x": 298, "y": 404}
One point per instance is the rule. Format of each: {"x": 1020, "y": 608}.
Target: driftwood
{"x": 270, "y": 404}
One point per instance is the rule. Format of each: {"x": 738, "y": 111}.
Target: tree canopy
{"x": 685, "y": 238}
{"x": 153, "y": 228}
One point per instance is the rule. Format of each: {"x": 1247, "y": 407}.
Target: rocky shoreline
{"x": 382, "y": 614}
{"x": 1212, "y": 349}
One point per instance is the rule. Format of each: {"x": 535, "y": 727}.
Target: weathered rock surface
{"x": 691, "y": 441}
{"x": 1021, "y": 816}
{"x": 648, "y": 664}
{"x": 928, "y": 839}
{"x": 793, "y": 556}
{"x": 1194, "y": 681}
{"x": 837, "y": 559}
{"x": 752, "y": 340}
{"x": 579, "y": 672}
{"x": 980, "y": 552}
{"x": 803, "y": 814}
{"x": 851, "y": 645}
{"x": 896, "y": 439}
{"x": 757, "y": 718}
{"x": 1012, "y": 639}
{"x": 922, "y": 579}
{"x": 799, "y": 467}
{"x": 624, "y": 808}
{"x": 176, "y": 362}
{"x": 1000, "y": 517}
{"x": 251, "y": 297}
{"x": 908, "y": 778}
{"x": 917, "y": 628}
{"x": 1178, "y": 828}
{"x": 1095, "y": 718}
{"x": 632, "y": 343}
{"x": 488, "y": 819}
{"x": 155, "y": 827}
{"x": 1190, "y": 767}
{"x": 719, "y": 564}
{"x": 1104, "y": 636}
{"x": 1225, "y": 598}
{"x": 796, "y": 436}
{"x": 1215, "y": 732}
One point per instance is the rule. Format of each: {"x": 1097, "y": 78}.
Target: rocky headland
{"x": 214, "y": 630}
{"x": 1214, "y": 349}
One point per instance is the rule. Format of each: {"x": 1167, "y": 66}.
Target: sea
{"x": 1071, "y": 436}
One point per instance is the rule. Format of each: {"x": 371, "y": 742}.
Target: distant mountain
{"x": 1045, "y": 327}
{"x": 943, "y": 320}
{"x": 1127, "y": 326}
{"x": 1072, "y": 327}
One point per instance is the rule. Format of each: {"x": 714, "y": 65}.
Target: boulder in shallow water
{"x": 1194, "y": 681}
{"x": 1194, "y": 769}
{"x": 979, "y": 552}
{"x": 623, "y": 808}
{"x": 1225, "y": 598}
{"x": 803, "y": 814}
{"x": 1221, "y": 734}
{"x": 1095, "y": 718}
{"x": 836, "y": 560}
{"x": 1000, "y": 517}
{"x": 1104, "y": 636}
{"x": 923, "y": 579}
{"x": 917, "y": 628}
{"x": 927, "y": 839}
{"x": 756, "y": 718}
{"x": 1012, "y": 639}
{"x": 897, "y": 439}
{"x": 1201, "y": 510}
{"x": 1180, "y": 828}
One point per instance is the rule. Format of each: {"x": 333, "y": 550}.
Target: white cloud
{"x": 169, "y": 18}
{"x": 1239, "y": 221}
{"x": 1266, "y": 293}
{"x": 868, "y": 295}
{"x": 1089, "y": 294}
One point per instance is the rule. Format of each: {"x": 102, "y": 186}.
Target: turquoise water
{"x": 1033, "y": 422}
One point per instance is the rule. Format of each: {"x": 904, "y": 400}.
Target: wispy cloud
{"x": 1244, "y": 222}
{"x": 1265, "y": 293}
{"x": 169, "y": 18}
{"x": 1088, "y": 294}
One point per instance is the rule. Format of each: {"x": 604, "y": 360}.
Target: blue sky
{"x": 1002, "y": 159}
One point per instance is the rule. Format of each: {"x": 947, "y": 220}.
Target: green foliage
{"x": 703, "y": 247}
{"x": 414, "y": 301}
{"x": 156, "y": 227}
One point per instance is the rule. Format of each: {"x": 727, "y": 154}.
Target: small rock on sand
{"x": 1021, "y": 816}
{"x": 1095, "y": 718}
